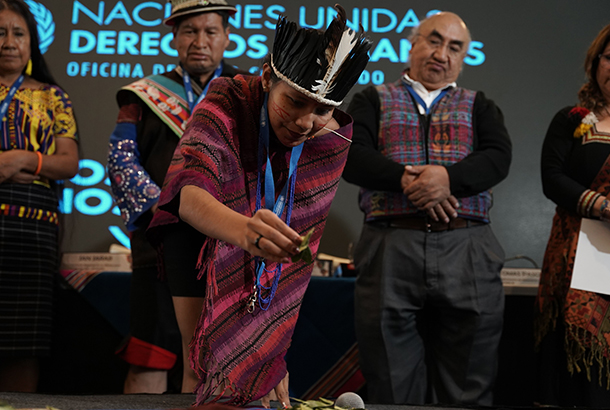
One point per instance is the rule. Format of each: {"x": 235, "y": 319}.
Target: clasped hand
{"x": 428, "y": 188}
{"x": 12, "y": 165}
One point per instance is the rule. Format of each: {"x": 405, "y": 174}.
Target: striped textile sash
{"x": 344, "y": 376}
{"x": 29, "y": 213}
{"x": 78, "y": 279}
{"x": 164, "y": 97}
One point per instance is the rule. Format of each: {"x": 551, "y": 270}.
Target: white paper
{"x": 592, "y": 262}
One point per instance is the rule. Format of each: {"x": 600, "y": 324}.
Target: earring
{"x": 28, "y": 67}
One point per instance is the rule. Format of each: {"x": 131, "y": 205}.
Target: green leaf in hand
{"x": 304, "y": 250}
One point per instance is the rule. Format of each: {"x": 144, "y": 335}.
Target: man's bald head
{"x": 439, "y": 45}
{"x": 446, "y": 15}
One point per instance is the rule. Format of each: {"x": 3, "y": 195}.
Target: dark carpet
{"x": 85, "y": 402}
{"x": 158, "y": 402}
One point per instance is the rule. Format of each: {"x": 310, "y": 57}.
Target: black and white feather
{"x": 323, "y": 65}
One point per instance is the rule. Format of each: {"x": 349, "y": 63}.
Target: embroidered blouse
{"x": 35, "y": 118}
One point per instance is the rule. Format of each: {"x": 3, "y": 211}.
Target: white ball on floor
{"x": 349, "y": 400}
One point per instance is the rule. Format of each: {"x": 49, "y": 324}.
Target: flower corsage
{"x": 588, "y": 118}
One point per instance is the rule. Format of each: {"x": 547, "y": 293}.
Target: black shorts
{"x": 181, "y": 246}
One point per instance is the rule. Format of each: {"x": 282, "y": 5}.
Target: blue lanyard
{"x": 421, "y": 101}
{"x": 277, "y": 206}
{"x": 9, "y": 97}
{"x": 188, "y": 87}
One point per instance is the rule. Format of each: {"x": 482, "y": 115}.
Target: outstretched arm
{"x": 205, "y": 213}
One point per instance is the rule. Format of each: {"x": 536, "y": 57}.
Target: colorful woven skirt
{"x": 29, "y": 261}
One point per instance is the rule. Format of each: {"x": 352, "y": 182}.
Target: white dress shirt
{"x": 427, "y": 96}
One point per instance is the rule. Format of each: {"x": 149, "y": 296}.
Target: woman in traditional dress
{"x": 38, "y": 146}
{"x": 573, "y": 326}
{"x": 256, "y": 170}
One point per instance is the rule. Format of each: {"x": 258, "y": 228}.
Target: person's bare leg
{"x": 19, "y": 374}
{"x": 145, "y": 380}
{"x": 188, "y": 310}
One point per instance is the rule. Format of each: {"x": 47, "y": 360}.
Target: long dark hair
{"x": 590, "y": 95}
{"x": 40, "y": 70}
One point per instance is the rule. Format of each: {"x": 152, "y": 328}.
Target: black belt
{"x": 427, "y": 224}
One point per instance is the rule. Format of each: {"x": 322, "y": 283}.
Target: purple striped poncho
{"x": 243, "y": 353}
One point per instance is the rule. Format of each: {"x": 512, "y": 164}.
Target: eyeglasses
{"x": 604, "y": 59}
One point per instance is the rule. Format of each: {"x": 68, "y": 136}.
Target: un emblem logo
{"x": 45, "y": 23}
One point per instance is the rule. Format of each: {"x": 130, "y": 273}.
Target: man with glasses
{"x": 429, "y": 299}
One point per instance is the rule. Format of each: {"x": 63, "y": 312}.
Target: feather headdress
{"x": 322, "y": 65}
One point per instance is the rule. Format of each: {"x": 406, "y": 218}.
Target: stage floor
{"x": 87, "y": 402}
{"x": 158, "y": 402}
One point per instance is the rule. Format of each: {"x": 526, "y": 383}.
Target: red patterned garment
{"x": 240, "y": 353}
{"x": 586, "y": 314}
